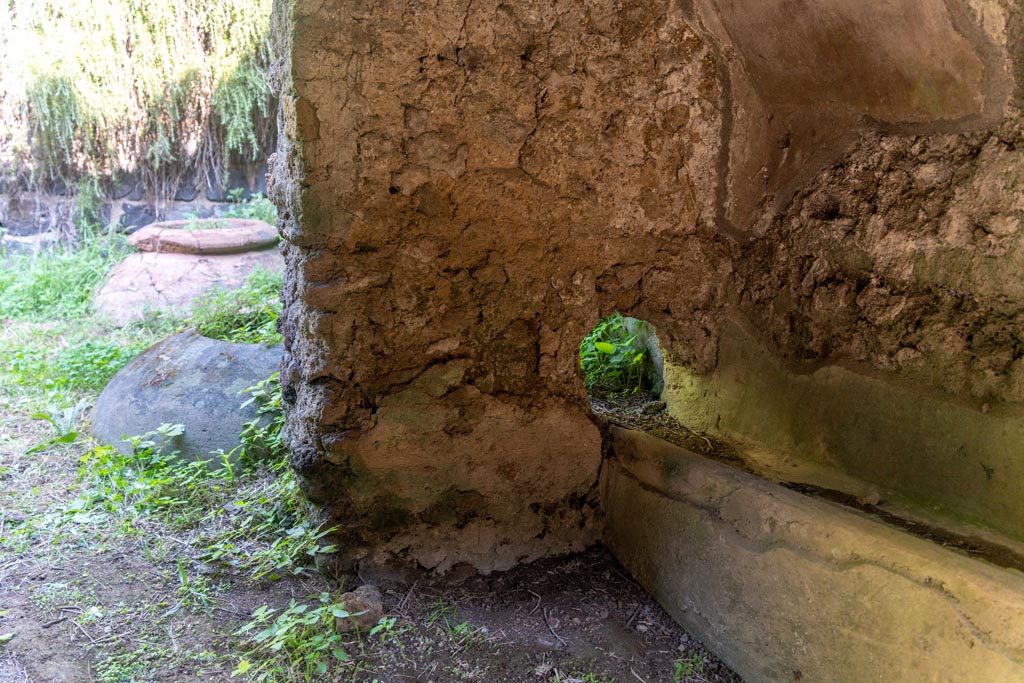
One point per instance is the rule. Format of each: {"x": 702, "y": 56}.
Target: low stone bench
{"x": 785, "y": 587}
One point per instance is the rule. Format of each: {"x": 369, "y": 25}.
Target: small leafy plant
{"x": 151, "y": 480}
{"x": 614, "y": 362}
{"x": 262, "y": 439}
{"x": 298, "y": 643}
{"x": 461, "y": 634}
{"x": 686, "y": 667}
{"x": 63, "y": 423}
{"x": 256, "y": 207}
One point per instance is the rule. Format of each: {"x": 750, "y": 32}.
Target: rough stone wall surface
{"x": 807, "y": 79}
{"x": 466, "y": 188}
{"x": 905, "y": 256}
{"x": 127, "y": 203}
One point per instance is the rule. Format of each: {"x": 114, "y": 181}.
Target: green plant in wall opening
{"x": 615, "y": 362}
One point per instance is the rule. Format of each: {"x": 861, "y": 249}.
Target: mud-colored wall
{"x": 903, "y": 446}
{"x": 466, "y": 188}
{"x": 809, "y": 78}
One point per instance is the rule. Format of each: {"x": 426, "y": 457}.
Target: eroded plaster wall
{"x": 467, "y": 187}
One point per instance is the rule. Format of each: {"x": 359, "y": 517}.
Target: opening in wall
{"x": 621, "y": 360}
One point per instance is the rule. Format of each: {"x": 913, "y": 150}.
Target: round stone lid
{"x": 210, "y": 236}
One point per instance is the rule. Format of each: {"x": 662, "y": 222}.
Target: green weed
{"x": 194, "y": 592}
{"x": 299, "y": 643}
{"x": 686, "y": 667}
{"x": 57, "y": 284}
{"x": 461, "y": 634}
{"x": 63, "y": 423}
{"x": 386, "y": 629}
{"x": 249, "y": 534}
{"x": 139, "y": 663}
{"x": 255, "y": 207}
{"x": 89, "y": 365}
{"x": 152, "y": 479}
{"x": 247, "y": 315}
{"x": 62, "y": 373}
{"x": 262, "y": 439}
{"x": 613, "y": 361}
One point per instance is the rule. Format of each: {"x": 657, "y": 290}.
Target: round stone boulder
{"x": 185, "y": 379}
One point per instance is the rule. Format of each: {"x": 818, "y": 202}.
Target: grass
{"x": 56, "y": 353}
{"x": 247, "y": 315}
{"x": 460, "y": 633}
{"x": 59, "y": 284}
{"x": 256, "y": 207}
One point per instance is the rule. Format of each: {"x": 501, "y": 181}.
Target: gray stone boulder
{"x": 185, "y": 379}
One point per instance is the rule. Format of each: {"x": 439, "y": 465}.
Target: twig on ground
{"x": 538, "y": 600}
{"x": 84, "y": 632}
{"x": 548, "y": 624}
{"x": 405, "y": 598}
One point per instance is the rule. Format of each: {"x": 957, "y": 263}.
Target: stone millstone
{"x": 185, "y": 379}
{"x": 225, "y": 236}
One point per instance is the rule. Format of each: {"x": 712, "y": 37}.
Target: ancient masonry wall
{"x": 466, "y": 188}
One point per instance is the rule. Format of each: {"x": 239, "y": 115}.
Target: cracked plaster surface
{"x": 466, "y": 188}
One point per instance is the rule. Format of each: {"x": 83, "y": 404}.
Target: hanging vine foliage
{"x": 99, "y": 88}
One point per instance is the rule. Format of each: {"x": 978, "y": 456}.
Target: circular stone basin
{"x": 212, "y": 236}
{"x": 185, "y": 379}
{"x": 176, "y": 265}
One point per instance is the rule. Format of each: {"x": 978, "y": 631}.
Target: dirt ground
{"x": 88, "y": 602}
